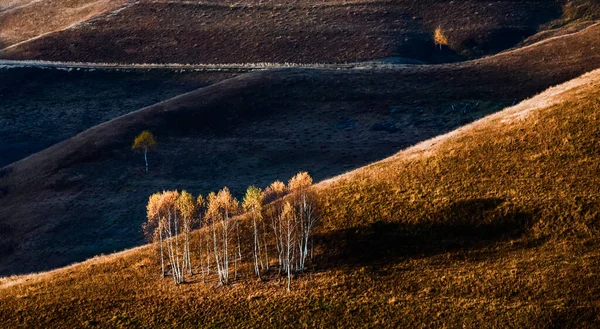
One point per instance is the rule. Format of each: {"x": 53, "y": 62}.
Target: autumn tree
{"x": 186, "y": 207}
{"x": 253, "y": 201}
{"x": 276, "y": 190}
{"x": 200, "y": 214}
{"x": 165, "y": 225}
{"x": 144, "y": 141}
{"x": 153, "y": 230}
{"x": 288, "y": 234}
{"x": 439, "y": 37}
{"x": 172, "y": 224}
{"x": 303, "y": 202}
{"x": 273, "y": 193}
{"x": 221, "y": 207}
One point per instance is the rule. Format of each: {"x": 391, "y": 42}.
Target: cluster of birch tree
{"x": 275, "y": 231}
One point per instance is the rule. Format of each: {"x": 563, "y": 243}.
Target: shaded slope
{"x": 43, "y": 107}
{"x": 307, "y": 31}
{"x": 493, "y": 225}
{"x": 252, "y": 129}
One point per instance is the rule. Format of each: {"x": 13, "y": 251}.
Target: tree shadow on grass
{"x": 464, "y": 225}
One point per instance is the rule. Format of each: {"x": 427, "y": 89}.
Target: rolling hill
{"x": 492, "y": 225}
{"x": 249, "y": 31}
{"x": 86, "y": 195}
{"x": 26, "y": 20}
{"x": 41, "y": 107}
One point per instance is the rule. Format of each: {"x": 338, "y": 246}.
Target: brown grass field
{"x": 492, "y": 225}
{"x": 90, "y": 189}
{"x": 308, "y": 31}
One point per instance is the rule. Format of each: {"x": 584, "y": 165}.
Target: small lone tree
{"x": 144, "y": 141}
{"x": 440, "y": 38}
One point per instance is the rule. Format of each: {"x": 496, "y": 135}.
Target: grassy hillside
{"x": 215, "y": 31}
{"x": 492, "y": 225}
{"x": 253, "y": 129}
{"x": 23, "y": 20}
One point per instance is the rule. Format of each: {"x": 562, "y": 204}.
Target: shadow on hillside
{"x": 465, "y": 225}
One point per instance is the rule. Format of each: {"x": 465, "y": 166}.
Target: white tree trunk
{"x": 256, "y": 248}
{"x": 146, "y": 158}
{"x": 201, "y": 256}
{"x": 162, "y": 255}
{"x": 265, "y": 246}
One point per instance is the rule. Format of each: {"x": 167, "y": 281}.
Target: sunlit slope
{"x": 492, "y": 225}
{"x": 26, "y": 20}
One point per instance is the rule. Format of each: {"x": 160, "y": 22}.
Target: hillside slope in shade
{"x": 308, "y": 31}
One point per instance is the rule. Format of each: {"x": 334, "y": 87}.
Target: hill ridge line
{"x": 208, "y": 67}
{"x": 244, "y": 67}
{"x": 541, "y": 42}
{"x": 86, "y": 20}
{"x": 9, "y": 281}
{"x": 543, "y": 100}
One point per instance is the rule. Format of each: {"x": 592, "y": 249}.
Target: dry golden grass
{"x": 21, "y": 21}
{"x": 494, "y": 225}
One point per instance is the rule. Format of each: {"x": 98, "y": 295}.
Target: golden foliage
{"x": 186, "y": 205}
{"x": 145, "y": 140}
{"x": 275, "y": 191}
{"x": 288, "y": 214}
{"x": 253, "y": 199}
{"x": 222, "y": 204}
{"x": 200, "y": 202}
{"x": 153, "y": 209}
{"x": 439, "y": 37}
{"x": 301, "y": 181}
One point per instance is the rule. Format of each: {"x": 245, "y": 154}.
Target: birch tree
{"x": 163, "y": 223}
{"x": 303, "y": 201}
{"x": 200, "y": 213}
{"x": 288, "y": 227}
{"x": 186, "y": 207}
{"x": 253, "y": 201}
{"x": 276, "y": 190}
{"x": 272, "y": 194}
{"x": 221, "y": 207}
{"x": 153, "y": 230}
{"x": 172, "y": 224}
{"x": 211, "y": 221}
{"x": 145, "y": 141}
